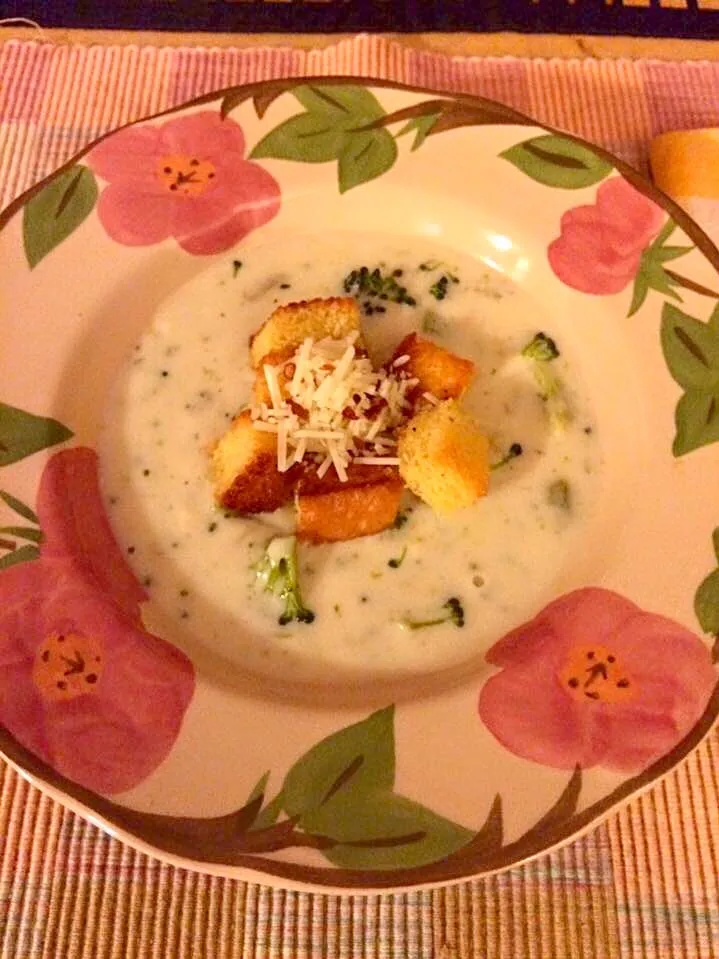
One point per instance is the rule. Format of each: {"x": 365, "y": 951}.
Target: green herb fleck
{"x": 212, "y": 527}
{"x": 559, "y": 494}
{"x": 236, "y": 267}
{"x": 432, "y": 323}
{"x": 400, "y": 519}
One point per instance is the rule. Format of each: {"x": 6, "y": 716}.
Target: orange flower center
{"x": 594, "y": 674}
{"x": 185, "y": 175}
{"x": 67, "y": 665}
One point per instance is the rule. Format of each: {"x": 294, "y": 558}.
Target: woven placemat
{"x": 645, "y": 883}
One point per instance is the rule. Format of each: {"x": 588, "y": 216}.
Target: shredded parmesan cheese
{"x": 329, "y": 407}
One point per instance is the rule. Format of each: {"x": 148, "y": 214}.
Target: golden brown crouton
{"x": 358, "y": 474}
{"x": 439, "y": 372}
{"x": 291, "y": 324}
{"x": 244, "y": 467}
{"x": 349, "y": 512}
{"x": 261, "y": 391}
{"x": 443, "y": 457}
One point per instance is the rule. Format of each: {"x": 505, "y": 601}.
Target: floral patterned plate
{"x": 602, "y": 689}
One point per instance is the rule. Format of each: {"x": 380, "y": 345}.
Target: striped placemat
{"x": 645, "y": 883}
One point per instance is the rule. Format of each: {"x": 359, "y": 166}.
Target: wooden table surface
{"x": 457, "y": 44}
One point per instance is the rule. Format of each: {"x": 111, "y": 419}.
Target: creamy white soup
{"x": 497, "y": 559}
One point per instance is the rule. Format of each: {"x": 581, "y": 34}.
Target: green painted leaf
{"x": 640, "y": 292}
{"x": 18, "y": 506}
{"x": 386, "y": 831}
{"x": 334, "y": 128}
{"x": 348, "y": 104}
{"x": 697, "y": 421}
{"x": 305, "y": 138}
{"x": 51, "y": 215}
{"x": 422, "y": 126}
{"x": 341, "y": 790}
{"x": 23, "y": 532}
{"x": 691, "y": 349}
{"x": 22, "y": 434}
{"x": 22, "y": 555}
{"x": 652, "y": 274}
{"x": 267, "y": 816}
{"x": 259, "y": 788}
{"x": 715, "y": 542}
{"x": 558, "y": 162}
{"x": 366, "y": 156}
{"x": 665, "y": 232}
{"x": 706, "y": 603}
{"x": 356, "y": 760}
{"x": 667, "y": 253}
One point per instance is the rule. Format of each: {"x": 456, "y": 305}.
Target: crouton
{"x": 441, "y": 373}
{"x": 244, "y": 468}
{"x": 358, "y": 474}
{"x": 443, "y": 457}
{"x": 291, "y": 324}
{"x": 260, "y": 390}
{"x": 348, "y": 513}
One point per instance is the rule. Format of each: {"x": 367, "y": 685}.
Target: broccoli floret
{"x": 512, "y": 453}
{"x": 541, "y": 350}
{"x": 439, "y": 289}
{"x": 455, "y": 614}
{"x": 372, "y": 283}
{"x": 279, "y": 574}
{"x": 541, "y": 347}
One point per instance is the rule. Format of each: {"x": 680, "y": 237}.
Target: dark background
{"x": 332, "y": 16}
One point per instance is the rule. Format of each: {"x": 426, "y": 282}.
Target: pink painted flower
{"x": 594, "y": 680}
{"x": 186, "y": 178}
{"x": 82, "y": 684}
{"x": 600, "y": 246}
